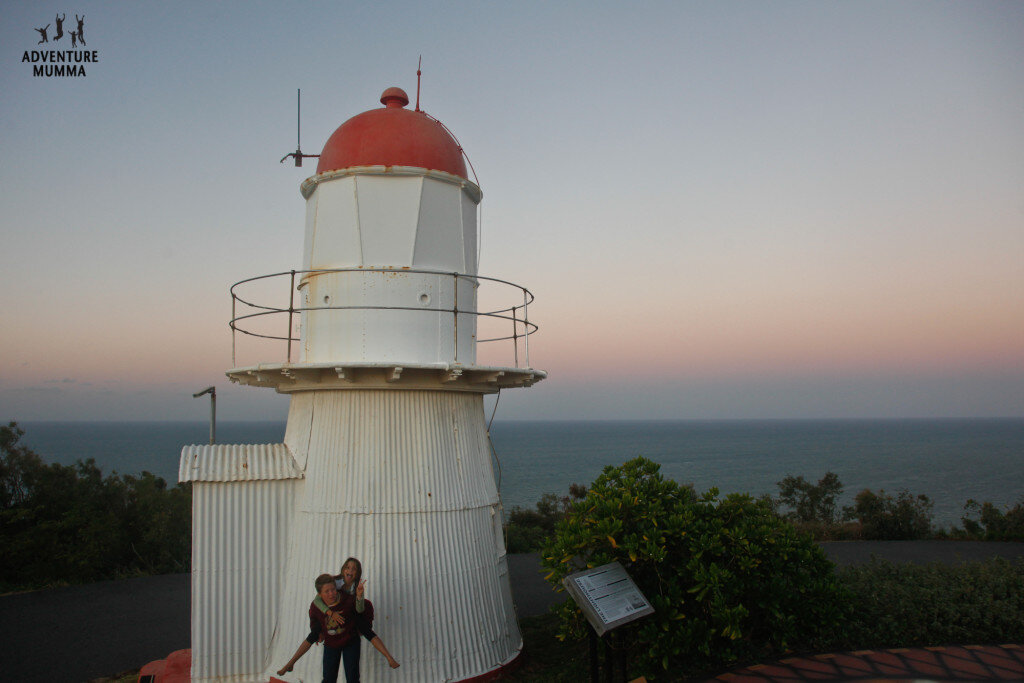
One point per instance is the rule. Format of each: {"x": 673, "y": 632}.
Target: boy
{"x": 336, "y": 625}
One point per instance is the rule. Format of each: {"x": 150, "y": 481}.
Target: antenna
{"x": 298, "y": 138}
{"x": 418, "y": 73}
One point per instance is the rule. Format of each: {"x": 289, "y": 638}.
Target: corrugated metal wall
{"x": 239, "y": 538}
{"x": 398, "y": 451}
{"x": 401, "y": 479}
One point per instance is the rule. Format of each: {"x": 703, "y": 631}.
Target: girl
{"x": 350, "y": 581}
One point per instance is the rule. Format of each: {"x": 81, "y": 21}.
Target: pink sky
{"x": 725, "y": 210}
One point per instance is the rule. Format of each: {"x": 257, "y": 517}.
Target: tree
{"x": 903, "y": 518}
{"x": 527, "y": 529}
{"x": 992, "y": 523}
{"x": 16, "y": 462}
{"x": 811, "y": 503}
{"x": 63, "y": 523}
{"x": 728, "y": 578}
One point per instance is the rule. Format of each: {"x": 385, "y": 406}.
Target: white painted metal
{"x": 378, "y": 217}
{"x": 247, "y": 462}
{"x": 421, "y": 329}
{"x": 403, "y": 481}
{"x": 242, "y": 503}
{"x": 239, "y": 539}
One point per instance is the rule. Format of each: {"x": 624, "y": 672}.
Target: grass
{"x": 123, "y": 677}
{"x": 546, "y": 659}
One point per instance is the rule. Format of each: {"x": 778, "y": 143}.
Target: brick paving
{"x": 951, "y": 663}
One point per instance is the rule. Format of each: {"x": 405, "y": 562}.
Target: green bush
{"x": 882, "y": 517}
{"x": 70, "y": 524}
{"x": 993, "y": 524}
{"x": 728, "y": 579}
{"x": 910, "y": 605}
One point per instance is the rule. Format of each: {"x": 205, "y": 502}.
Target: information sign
{"x": 607, "y": 596}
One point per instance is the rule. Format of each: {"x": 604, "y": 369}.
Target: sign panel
{"x": 607, "y": 596}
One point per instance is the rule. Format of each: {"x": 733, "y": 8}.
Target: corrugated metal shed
{"x": 237, "y": 462}
{"x": 240, "y": 538}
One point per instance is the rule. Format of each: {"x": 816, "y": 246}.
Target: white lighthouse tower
{"x": 386, "y": 455}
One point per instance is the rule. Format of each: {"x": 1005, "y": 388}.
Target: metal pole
{"x": 515, "y": 336}
{"x": 609, "y": 670}
{"x": 526, "y": 330}
{"x": 291, "y": 312}
{"x": 233, "y": 301}
{"x": 212, "y": 391}
{"x": 624, "y": 658}
{"x": 455, "y": 312}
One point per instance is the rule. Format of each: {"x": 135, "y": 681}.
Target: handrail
{"x": 522, "y": 328}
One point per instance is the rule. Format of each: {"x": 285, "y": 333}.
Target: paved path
{"x": 114, "y": 626}
{"x": 103, "y": 628}
{"x": 952, "y": 663}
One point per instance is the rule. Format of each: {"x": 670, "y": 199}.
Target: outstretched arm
{"x": 303, "y": 649}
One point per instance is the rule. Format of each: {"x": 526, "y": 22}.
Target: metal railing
{"x": 516, "y": 314}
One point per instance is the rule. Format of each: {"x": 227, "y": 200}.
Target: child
{"x": 336, "y": 625}
{"x": 350, "y": 582}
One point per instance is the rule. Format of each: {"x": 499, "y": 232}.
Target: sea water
{"x": 950, "y": 461}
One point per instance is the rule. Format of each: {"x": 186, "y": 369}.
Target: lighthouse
{"x": 386, "y": 454}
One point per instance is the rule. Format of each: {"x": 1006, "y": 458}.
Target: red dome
{"x": 392, "y": 136}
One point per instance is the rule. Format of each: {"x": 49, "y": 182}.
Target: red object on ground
{"x": 152, "y": 671}
{"x": 392, "y": 136}
{"x": 176, "y": 668}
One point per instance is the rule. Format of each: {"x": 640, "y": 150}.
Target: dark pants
{"x": 333, "y": 656}
{"x": 350, "y": 656}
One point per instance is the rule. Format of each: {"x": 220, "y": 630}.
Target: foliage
{"x": 811, "y": 502}
{"x": 993, "y": 524}
{"x": 70, "y": 524}
{"x": 894, "y": 605}
{"x": 910, "y": 605}
{"x": 903, "y": 518}
{"x": 728, "y": 579}
{"x": 527, "y": 530}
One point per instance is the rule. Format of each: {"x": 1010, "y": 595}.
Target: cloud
{"x": 53, "y": 391}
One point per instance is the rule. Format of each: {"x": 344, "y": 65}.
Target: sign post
{"x": 609, "y": 599}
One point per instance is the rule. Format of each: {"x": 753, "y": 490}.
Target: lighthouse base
{"x": 175, "y": 669}
{"x": 401, "y": 480}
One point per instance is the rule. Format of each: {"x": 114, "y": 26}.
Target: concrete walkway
{"x": 106, "y": 628}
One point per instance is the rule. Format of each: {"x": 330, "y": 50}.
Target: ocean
{"x": 950, "y": 461}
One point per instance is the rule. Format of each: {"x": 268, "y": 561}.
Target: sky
{"x": 725, "y": 210}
